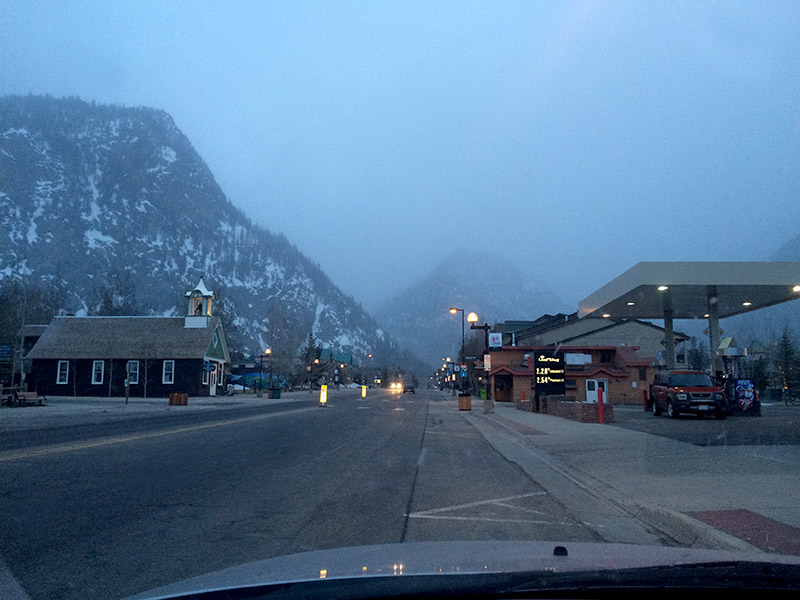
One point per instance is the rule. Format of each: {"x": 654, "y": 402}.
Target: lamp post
{"x": 472, "y": 318}
{"x": 266, "y": 352}
{"x": 453, "y": 311}
{"x": 310, "y": 370}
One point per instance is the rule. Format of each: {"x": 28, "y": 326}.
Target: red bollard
{"x": 644, "y": 400}
{"x": 600, "y": 415}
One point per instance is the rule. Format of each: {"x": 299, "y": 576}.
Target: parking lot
{"x": 778, "y": 425}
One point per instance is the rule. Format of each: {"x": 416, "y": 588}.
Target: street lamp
{"x": 473, "y": 318}
{"x": 266, "y": 352}
{"x": 453, "y": 311}
{"x": 310, "y": 370}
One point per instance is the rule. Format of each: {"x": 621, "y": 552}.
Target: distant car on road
{"x": 676, "y": 392}
{"x": 409, "y": 388}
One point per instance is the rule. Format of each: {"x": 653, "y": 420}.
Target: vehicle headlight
{"x": 718, "y": 396}
{"x": 680, "y": 396}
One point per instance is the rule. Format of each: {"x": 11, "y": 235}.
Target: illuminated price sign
{"x": 549, "y": 372}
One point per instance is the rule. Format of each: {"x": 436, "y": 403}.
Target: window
{"x": 690, "y": 380}
{"x": 168, "y": 372}
{"x": 98, "y": 368}
{"x": 133, "y": 372}
{"x": 63, "y": 372}
{"x": 205, "y": 377}
{"x": 642, "y": 373}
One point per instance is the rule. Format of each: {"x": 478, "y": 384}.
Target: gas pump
{"x": 740, "y": 391}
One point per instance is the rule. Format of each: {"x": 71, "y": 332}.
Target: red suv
{"x": 694, "y": 392}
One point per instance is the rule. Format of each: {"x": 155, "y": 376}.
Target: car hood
{"x": 402, "y": 563}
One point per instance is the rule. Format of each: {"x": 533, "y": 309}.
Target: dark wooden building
{"x": 94, "y": 356}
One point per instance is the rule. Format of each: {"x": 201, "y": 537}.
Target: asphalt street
{"x": 106, "y": 507}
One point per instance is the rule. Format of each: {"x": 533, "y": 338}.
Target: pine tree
{"x": 786, "y": 361}
{"x": 697, "y": 356}
{"x": 311, "y": 350}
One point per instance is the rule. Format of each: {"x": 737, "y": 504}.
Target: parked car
{"x": 676, "y": 392}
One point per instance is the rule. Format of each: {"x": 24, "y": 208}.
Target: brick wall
{"x": 567, "y": 407}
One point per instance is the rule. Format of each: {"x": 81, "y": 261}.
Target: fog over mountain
{"x": 488, "y": 285}
{"x": 98, "y": 196}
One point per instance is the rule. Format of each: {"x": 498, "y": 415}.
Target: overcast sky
{"x": 576, "y": 138}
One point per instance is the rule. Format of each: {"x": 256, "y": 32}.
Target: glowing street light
{"x": 266, "y": 353}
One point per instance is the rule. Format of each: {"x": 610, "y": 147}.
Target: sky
{"x": 574, "y": 138}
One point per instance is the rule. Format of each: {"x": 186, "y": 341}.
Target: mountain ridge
{"x": 91, "y": 190}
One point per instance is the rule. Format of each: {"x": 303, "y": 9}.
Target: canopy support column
{"x": 713, "y": 329}
{"x": 669, "y": 332}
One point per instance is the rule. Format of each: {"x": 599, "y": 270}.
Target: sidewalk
{"x": 678, "y": 490}
{"x": 68, "y": 410}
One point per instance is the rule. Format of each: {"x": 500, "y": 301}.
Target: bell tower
{"x": 198, "y": 309}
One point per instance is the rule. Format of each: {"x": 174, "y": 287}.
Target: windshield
{"x": 690, "y": 380}
{"x": 287, "y": 276}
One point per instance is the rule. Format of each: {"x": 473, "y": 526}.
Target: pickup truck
{"x": 676, "y": 392}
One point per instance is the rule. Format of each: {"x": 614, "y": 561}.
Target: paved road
{"x": 119, "y": 505}
{"x": 779, "y": 425}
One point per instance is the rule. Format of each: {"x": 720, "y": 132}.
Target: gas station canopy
{"x": 688, "y": 288}
{"x": 693, "y": 290}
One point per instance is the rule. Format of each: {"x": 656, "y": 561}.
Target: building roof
{"x": 544, "y": 322}
{"x": 340, "y": 357}
{"x": 201, "y": 287}
{"x": 123, "y": 338}
{"x": 739, "y": 287}
{"x": 613, "y": 323}
{"x": 32, "y": 330}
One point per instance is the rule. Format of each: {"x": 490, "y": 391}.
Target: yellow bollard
{"x": 363, "y": 391}
{"x": 323, "y": 395}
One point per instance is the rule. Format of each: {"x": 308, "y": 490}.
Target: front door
{"x": 212, "y": 381}
{"x": 503, "y": 388}
{"x": 592, "y": 385}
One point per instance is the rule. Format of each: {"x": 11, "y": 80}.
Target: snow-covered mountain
{"x": 489, "y": 285}
{"x": 91, "y": 195}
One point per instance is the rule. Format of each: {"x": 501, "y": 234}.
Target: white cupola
{"x": 198, "y": 309}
